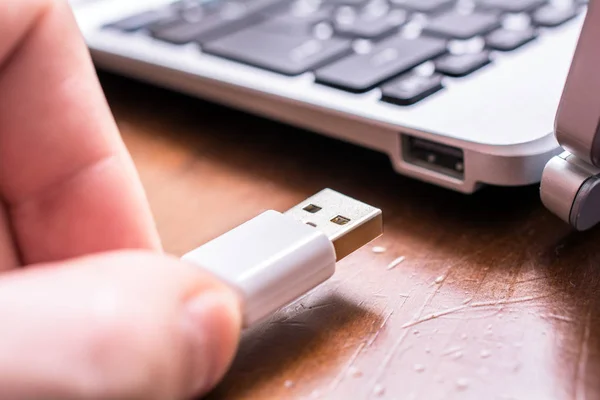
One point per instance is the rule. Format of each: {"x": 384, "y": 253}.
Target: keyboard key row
{"x": 200, "y": 21}
{"x": 320, "y": 36}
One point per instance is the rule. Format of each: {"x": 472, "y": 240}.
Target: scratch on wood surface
{"x": 532, "y": 279}
{"x": 489, "y": 315}
{"x": 299, "y": 300}
{"x": 340, "y": 376}
{"x": 557, "y": 317}
{"x": 466, "y": 302}
{"x": 398, "y": 342}
{"x": 451, "y": 350}
{"x": 434, "y": 315}
{"x": 396, "y": 262}
{"x": 471, "y": 305}
{"x": 582, "y": 361}
{"x": 383, "y": 323}
{"x": 507, "y": 301}
{"x": 289, "y": 322}
{"x": 324, "y": 305}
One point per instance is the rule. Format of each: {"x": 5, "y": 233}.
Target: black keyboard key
{"x": 369, "y": 24}
{"x": 389, "y": 58}
{"x": 461, "y": 64}
{"x": 208, "y": 28}
{"x": 192, "y": 12}
{"x": 185, "y": 4}
{"x": 287, "y": 54}
{"x": 512, "y": 6}
{"x": 425, "y": 6}
{"x": 192, "y": 5}
{"x": 344, "y": 2}
{"x": 411, "y": 88}
{"x": 462, "y": 26}
{"x": 210, "y": 20}
{"x": 140, "y": 21}
{"x": 508, "y": 40}
{"x": 300, "y": 12}
{"x": 551, "y": 16}
{"x": 284, "y": 26}
{"x": 292, "y": 19}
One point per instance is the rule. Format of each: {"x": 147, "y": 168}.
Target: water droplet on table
{"x": 485, "y": 353}
{"x": 419, "y": 367}
{"x": 378, "y": 249}
{"x": 462, "y": 384}
{"x": 378, "y": 390}
{"x": 288, "y": 383}
{"x": 354, "y": 372}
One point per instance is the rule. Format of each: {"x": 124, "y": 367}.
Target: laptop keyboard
{"x": 403, "y": 47}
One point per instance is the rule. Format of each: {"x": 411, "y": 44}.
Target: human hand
{"x": 89, "y": 307}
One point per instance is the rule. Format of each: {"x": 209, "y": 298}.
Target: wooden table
{"x": 495, "y": 298}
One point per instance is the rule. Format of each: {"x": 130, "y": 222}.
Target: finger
{"x": 119, "y": 326}
{"x": 8, "y": 255}
{"x": 65, "y": 175}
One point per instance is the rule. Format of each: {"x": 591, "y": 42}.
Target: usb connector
{"x": 348, "y": 223}
{"x": 275, "y": 258}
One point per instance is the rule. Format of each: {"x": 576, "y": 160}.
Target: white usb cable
{"x": 275, "y": 258}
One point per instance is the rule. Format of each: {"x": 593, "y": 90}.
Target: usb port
{"x": 434, "y": 156}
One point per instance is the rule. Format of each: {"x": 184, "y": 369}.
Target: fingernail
{"x": 212, "y": 327}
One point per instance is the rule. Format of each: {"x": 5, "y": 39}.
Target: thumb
{"x": 126, "y": 325}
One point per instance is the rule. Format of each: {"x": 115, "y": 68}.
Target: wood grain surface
{"x": 495, "y": 298}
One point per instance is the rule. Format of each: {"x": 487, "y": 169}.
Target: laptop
{"x": 458, "y": 93}
{"x": 571, "y": 181}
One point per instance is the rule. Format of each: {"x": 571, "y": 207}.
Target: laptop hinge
{"x": 571, "y": 189}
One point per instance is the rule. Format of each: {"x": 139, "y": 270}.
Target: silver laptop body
{"x": 435, "y": 84}
{"x": 571, "y": 181}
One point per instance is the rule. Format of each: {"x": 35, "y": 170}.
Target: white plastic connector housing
{"x": 270, "y": 260}
{"x": 275, "y": 258}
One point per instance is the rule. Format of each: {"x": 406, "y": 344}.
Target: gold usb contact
{"x": 349, "y": 223}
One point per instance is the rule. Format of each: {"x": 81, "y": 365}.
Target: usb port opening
{"x": 437, "y": 157}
